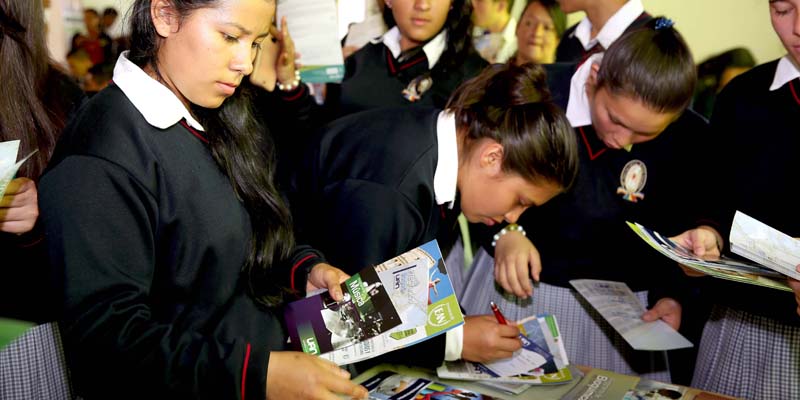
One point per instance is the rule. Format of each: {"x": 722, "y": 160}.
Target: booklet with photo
{"x": 412, "y": 300}
{"x": 9, "y": 164}
{"x": 390, "y": 385}
{"x": 541, "y": 337}
{"x": 600, "y": 384}
{"x": 617, "y": 304}
{"x": 724, "y": 268}
{"x": 314, "y": 27}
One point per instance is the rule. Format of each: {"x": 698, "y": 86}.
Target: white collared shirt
{"x": 786, "y": 72}
{"x": 433, "y": 49}
{"x": 445, "y": 180}
{"x": 578, "y": 109}
{"x": 613, "y": 28}
{"x": 158, "y": 105}
{"x": 446, "y": 175}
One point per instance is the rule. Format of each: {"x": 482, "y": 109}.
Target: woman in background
{"x": 539, "y": 31}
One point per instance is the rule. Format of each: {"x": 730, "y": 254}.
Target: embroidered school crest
{"x": 417, "y": 87}
{"x": 633, "y": 179}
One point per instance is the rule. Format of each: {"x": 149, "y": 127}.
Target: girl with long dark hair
{"x": 174, "y": 248}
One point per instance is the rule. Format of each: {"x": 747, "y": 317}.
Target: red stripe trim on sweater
{"x": 390, "y": 61}
{"x": 244, "y": 369}
{"x": 410, "y": 63}
{"x": 294, "y": 268}
{"x": 794, "y": 93}
{"x": 194, "y": 132}
{"x": 297, "y": 95}
{"x": 592, "y": 155}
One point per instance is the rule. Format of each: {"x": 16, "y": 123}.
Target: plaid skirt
{"x": 748, "y": 356}
{"x": 589, "y": 339}
{"x": 33, "y": 366}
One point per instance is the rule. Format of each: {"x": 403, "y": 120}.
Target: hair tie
{"x": 663, "y": 22}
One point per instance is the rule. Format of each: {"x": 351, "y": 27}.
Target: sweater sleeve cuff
{"x": 254, "y": 373}
{"x": 295, "y": 93}
{"x": 454, "y": 343}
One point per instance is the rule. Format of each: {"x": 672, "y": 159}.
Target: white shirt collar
{"x": 509, "y": 46}
{"x": 433, "y": 49}
{"x": 614, "y": 27}
{"x": 157, "y": 104}
{"x": 784, "y": 73}
{"x": 445, "y": 177}
{"x": 578, "y": 111}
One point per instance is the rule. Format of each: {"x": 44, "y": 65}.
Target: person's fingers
{"x": 536, "y": 266}
{"x": 523, "y": 278}
{"x": 502, "y": 278}
{"x": 513, "y": 279}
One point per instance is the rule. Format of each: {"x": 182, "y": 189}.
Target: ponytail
{"x": 511, "y": 105}
{"x": 652, "y": 64}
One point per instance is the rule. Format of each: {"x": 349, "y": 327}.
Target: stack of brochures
{"x": 541, "y": 361}
{"x": 390, "y": 385}
{"x": 396, "y": 304}
{"x": 746, "y": 233}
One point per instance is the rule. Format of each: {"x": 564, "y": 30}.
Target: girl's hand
{"x": 326, "y": 276}
{"x": 296, "y": 375}
{"x": 516, "y": 261}
{"x": 19, "y": 206}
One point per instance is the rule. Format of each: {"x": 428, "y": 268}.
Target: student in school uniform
{"x": 494, "y": 32}
{"x": 605, "y": 22}
{"x": 420, "y": 60}
{"x": 639, "y": 149}
{"x": 750, "y": 346}
{"x": 173, "y": 248}
{"x": 382, "y": 182}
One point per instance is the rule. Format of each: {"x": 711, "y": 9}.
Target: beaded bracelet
{"x": 507, "y": 229}
{"x": 291, "y": 85}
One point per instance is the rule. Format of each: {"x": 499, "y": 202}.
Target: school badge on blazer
{"x": 417, "y": 87}
{"x": 633, "y": 179}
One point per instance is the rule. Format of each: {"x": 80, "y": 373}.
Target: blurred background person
{"x": 538, "y": 32}
{"x": 494, "y": 29}
{"x": 715, "y": 72}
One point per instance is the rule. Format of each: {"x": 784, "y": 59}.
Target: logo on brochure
{"x": 307, "y": 339}
{"x": 632, "y": 179}
{"x": 440, "y": 315}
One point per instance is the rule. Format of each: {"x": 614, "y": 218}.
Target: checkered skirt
{"x": 33, "y": 366}
{"x": 748, "y": 356}
{"x": 589, "y": 339}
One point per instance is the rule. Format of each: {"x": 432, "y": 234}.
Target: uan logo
{"x": 440, "y": 315}
{"x": 310, "y": 346}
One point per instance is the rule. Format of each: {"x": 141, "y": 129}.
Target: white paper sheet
{"x": 8, "y": 166}
{"x": 619, "y": 306}
{"x": 313, "y": 27}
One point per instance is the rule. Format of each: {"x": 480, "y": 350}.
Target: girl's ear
{"x": 165, "y": 18}
{"x": 591, "y": 81}
{"x": 491, "y": 157}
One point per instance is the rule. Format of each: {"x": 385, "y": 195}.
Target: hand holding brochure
{"x": 723, "y": 268}
{"x": 620, "y": 307}
{"x": 543, "y": 338}
{"x": 398, "y": 303}
{"x": 314, "y": 27}
{"x": 9, "y": 164}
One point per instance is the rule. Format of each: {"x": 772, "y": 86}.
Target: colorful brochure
{"x": 765, "y": 245}
{"x": 725, "y": 268}
{"x": 617, "y": 304}
{"x": 600, "y": 384}
{"x": 398, "y": 303}
{"x": 390, "y": 385}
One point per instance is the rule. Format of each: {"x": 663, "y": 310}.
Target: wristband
{"x": 507, "y": 229}
{"x": 291, "y": 85}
